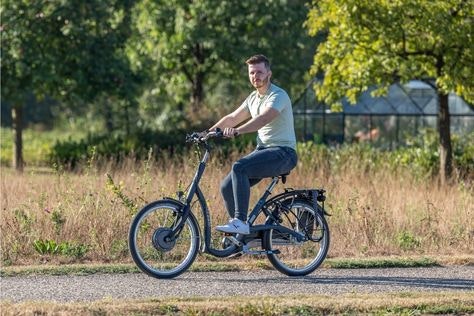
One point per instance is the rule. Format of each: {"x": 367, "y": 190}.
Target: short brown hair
{"x": 257, "y": 59}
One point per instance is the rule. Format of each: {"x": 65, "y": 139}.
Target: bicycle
{"x": 165, "y": 237}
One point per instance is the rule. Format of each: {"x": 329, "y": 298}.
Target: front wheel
{"x": 154, "y": 250}
{"x": 293, "y": 257}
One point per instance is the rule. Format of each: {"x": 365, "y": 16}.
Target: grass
{"x": 407, "y": 303}
{"x": 238, "y": 265}
{"x": 384, "y": 263}
{"x": 37, "y": 144}
{"x": 55, "y": 217}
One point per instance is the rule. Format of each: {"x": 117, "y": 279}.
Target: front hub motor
{"x": 162, "y": 240}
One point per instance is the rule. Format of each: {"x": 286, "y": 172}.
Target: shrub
{"x": 420, "y": 157}
{"x": 71, "y": 153}
{"x": 463, "y": 153}
{"x": 407, "y": 241}
{"x": 422, "y": 154}
{"x": 51, "y": 247}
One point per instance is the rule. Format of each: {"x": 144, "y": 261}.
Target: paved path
{"x": 322, "y": 281}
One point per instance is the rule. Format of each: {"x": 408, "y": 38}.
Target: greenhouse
{"x": 386, "y": 121}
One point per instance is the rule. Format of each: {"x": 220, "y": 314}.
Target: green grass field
{"x": 37, "y": 145}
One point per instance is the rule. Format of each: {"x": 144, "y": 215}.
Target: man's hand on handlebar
{"x": 230, "y": 132}
{"x": 227, "y": 132}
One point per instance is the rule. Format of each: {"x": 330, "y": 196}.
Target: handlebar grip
{"x": 220, "y": 132}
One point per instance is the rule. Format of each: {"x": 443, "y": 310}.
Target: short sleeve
{"x": 278, "y": 101}
{"x": 246, "y": 104}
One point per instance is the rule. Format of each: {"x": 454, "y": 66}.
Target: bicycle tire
{"x": 149, "y": 247}
{"x": 298, "y": 258}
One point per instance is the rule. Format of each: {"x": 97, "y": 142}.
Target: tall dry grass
{"x": 375, "y": 210}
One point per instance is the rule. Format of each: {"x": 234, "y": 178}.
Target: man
{"x": 267, "y": 111}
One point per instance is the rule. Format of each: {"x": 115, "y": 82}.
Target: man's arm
{"x": 233, "y": 119}
{"x": 253, "y": 125}
{"x": 259, "y": 121}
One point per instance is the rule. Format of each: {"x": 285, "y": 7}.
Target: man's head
{"x": 258, "y": 59}
{"x": 259, "y": 71}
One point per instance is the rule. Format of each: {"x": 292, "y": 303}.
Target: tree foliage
{"x": 193, "y": 45}
{"x": 70, "y": 50}
{"x": 64, "y": 48}
{"x": 379, "y": 42}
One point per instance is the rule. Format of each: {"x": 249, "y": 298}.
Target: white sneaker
{"x": 235, "y": 226}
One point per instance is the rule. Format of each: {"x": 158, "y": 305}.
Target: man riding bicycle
{"x": 268, "y": 111}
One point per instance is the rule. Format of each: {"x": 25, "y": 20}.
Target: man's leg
{"x": 227, "y": 192}
{"x": 262, "y": 163}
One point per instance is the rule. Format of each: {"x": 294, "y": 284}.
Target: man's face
{"x": 259, "y": 75}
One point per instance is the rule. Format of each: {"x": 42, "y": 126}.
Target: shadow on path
{"x": 429, "y": 283}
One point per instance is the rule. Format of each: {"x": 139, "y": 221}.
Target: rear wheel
{"x": 292, "y": 257}
{"x": 152, "y": 246}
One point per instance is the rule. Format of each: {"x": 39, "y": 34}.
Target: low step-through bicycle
{"x": 290, "y": 228}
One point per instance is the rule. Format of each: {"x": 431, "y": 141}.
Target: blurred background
{"x": 121, "y": 76}
{"x": 133, "y": 71}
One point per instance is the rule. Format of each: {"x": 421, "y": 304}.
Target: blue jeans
{"x": 248, "y": 171}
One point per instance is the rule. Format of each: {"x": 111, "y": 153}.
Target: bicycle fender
{"x": 174, "y": 201}
{"x": 311, "y": 195}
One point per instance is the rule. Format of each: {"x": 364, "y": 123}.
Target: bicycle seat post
{"x": 263, "y": 198}
{"x": 272, "y": 184}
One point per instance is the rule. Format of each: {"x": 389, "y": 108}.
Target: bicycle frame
{"x": 194, "y": 190}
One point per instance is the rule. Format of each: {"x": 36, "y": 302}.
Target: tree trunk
{"x": 445, "y": 148}
{"x": 127, "y": 118}
{"x": 108, "y": 115}
{"x": 17, "y": 120}
{"x": 198, "y": 78}
{"x": 198, "y": 92}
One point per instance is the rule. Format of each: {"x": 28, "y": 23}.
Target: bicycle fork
{"x": 193, "y": 189}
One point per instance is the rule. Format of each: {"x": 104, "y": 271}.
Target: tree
{"x": 379, "y": 42}
{"x": 190, "y": 44}
{"x": 65, "y": 49}
{"x": 18, "y": 64}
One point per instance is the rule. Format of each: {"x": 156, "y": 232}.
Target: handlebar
{"x": 202, "y": 137}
